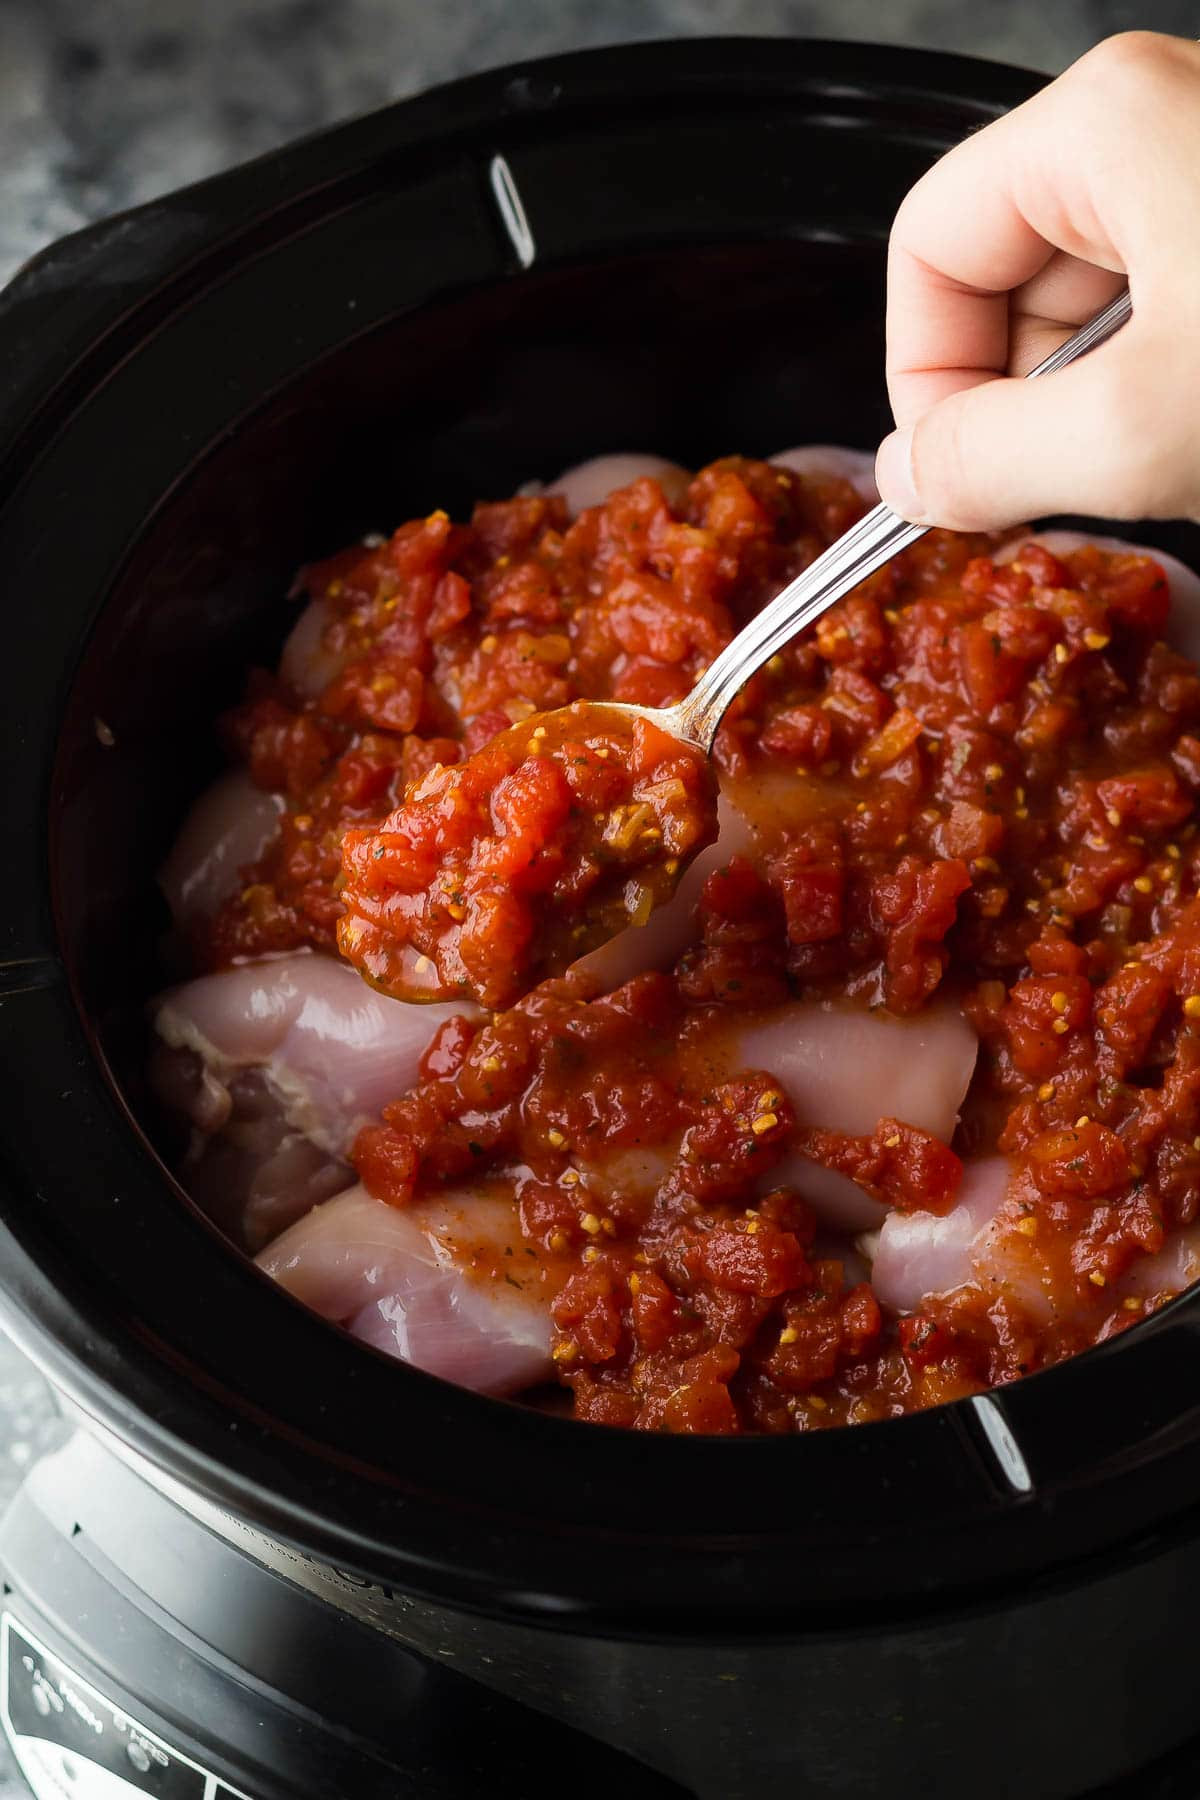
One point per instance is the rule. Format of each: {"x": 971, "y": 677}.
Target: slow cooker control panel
{"x": 74, "y": 1744}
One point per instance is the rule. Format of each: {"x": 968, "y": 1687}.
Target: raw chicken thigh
{"x": 329, "y": 1047}
{"x": 1174, "y": 1268}
{"x": 448, "y": 1282}
{"x": 307, "y": 664}
{"x": 855, "y": 466}
{"x": 275, "y": 1065}
{"x": 919, "y": 1253}
{"x": 845, "y": 1069}
{"x": 589, "y": 483}
{"x": 229, "y": 827}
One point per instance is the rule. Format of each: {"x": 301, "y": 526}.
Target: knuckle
{"x": 1125, "y": 68}
{"x": 925, "y": 199}
{"x": 908, "y": 219}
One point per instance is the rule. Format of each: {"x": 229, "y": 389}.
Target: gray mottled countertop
{"x": 106, "y": 103}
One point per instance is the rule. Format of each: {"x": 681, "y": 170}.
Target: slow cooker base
{"x": 228, "y": 1682}
{"x": 142, "y": 1653}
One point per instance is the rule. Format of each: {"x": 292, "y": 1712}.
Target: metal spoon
{"x": 877, "y": 537}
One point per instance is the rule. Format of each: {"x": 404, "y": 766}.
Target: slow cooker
{"x": 269, "y": 1562}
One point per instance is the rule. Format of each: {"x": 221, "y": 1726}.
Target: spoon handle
{"x": 877, "y": 537}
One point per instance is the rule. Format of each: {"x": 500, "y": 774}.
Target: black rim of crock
{"x": 380, "y": 1468}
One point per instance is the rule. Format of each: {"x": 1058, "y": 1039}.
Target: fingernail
{"x": 894, "y": 475}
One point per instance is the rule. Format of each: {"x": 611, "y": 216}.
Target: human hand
{"x": 1012, "y": 240}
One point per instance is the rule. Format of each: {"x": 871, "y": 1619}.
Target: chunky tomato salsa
{"x": 554, "y": 836}
{"x": 900, "y": 1098}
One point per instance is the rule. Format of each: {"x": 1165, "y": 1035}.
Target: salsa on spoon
{"x": 499, "y": 871}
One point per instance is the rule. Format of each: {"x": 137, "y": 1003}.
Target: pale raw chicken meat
{"x": 1183, "y": 627}
{"x": 920, "y": 1253}
{"x": 254, "y": 1174}
{"x": 917, "y": 1255}
{"x": 844, "y": 1068}
{"x": 1175, "y": 1267}
{"x": 855, "y": 466}
{"x": 837, "y": 1200}
{"x": 630, "y": 1174}
{"x": 1008, "y": 1266}
{"x": 590, "y": 483}
{"x": 978, "y": 1244}
{"x": 331, "y": 1049}
{"x": 228, "y": 828}
{"x": 307, "y": 664}
{"x": 669, "y": 930}
{"x": 446, "y": 1283}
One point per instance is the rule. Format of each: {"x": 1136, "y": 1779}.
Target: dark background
{"x": 105, "y": 103}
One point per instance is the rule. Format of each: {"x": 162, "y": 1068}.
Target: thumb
{"x": 1107, "y": 436}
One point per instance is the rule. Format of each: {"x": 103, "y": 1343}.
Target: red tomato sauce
{"x": 971, "y": 780}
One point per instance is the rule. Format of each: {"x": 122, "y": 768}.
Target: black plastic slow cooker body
{"x": 196, "y": 398}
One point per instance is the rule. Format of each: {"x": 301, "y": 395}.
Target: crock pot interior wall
{"x": 739, "y": 348}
